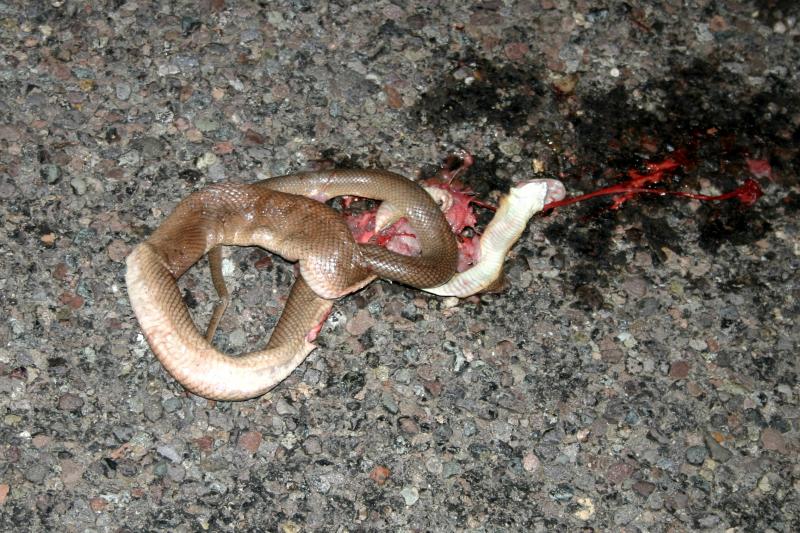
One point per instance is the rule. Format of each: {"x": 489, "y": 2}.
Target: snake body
{"x": 281, "y": 215}
{"x": 513, "y": 214}
{"x": 286, "y": 215}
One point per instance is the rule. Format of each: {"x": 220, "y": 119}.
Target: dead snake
{"x": 285, "y": 216}
{"x": 281, "y": 215}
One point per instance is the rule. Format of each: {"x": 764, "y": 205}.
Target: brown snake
{"x": 281, "y": 215}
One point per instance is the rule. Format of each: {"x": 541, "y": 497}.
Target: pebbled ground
{"x": 639, "y": 373}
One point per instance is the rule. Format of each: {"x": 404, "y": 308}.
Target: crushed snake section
{"x": 282, "y": 215}
{"x": 272, "y": 214}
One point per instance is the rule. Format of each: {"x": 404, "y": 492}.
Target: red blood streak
{"x": 748, "y": 193}
{"x": 311, "y": 335}
{"x": 399, "y": 237}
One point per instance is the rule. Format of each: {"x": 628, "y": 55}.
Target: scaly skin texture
{"x": 272, "y": 215}
{"x": 433, "y": 233}
{"x": 513, "y": 214}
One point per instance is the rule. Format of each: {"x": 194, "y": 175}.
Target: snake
{"x": 286, "y": 215}
{"x": 511, "y": 218}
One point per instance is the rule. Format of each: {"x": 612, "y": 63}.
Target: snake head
{"x": 555, "y": 190}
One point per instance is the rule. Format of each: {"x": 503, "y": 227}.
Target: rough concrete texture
{"x": 639, "y": 373}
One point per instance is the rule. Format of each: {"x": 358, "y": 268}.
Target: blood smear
{"x": 748, "y": 193}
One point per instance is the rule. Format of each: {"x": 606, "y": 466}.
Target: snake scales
{"x": 285, "y": 215}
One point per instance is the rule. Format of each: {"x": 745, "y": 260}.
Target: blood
{"x": 748, "y": 193}
{"x": 760, "y": 168}
{"x": 311, "y": 335}
{"x": 460, "y": 215}
{"x": 400, "y": 238}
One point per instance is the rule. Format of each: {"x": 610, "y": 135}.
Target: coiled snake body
{"x": 283, "y": 216}
{"x": 286, "y": 216}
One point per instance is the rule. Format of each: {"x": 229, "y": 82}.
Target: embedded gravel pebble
{"x": 639, "y": 372}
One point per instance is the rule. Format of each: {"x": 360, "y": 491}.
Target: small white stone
{"x": 587, "y": 509}
{"x": 628, "y": 340}
{"x": 698, "y": 344}
{"x": 410, "y": 495}
{"x": 530, "y": 462}
{"x": 228, "y": 267}
{"x": 205, "y": 160}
